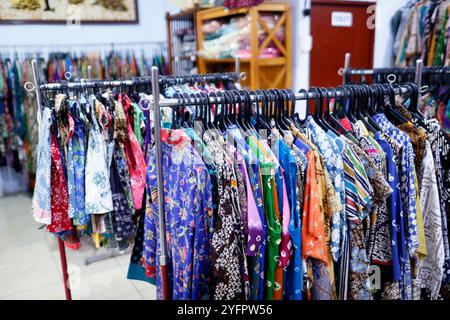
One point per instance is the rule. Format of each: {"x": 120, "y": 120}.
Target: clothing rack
{"x": 78, "y": 46}
{"x": 157, "y": 104}
{"x": 347, "y": 71}
{"x": 419, "y": 71}
{"x": 155, "y": 80}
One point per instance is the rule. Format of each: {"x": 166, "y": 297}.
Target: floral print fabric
{"x": 188, "y": 210}
{"x": 42, "y": 190}
{"x": 98, "y": 189}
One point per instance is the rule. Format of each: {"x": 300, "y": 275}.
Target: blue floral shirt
{"x": 189, "y": 221}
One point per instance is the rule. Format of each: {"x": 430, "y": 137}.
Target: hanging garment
{"x": 134, "y": 156}
{"x": 98, "y": 188}
{"x": 188, "y": 208}
{"x": 42, "y": 192}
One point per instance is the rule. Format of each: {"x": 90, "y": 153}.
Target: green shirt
{"x": 274, "y": 227}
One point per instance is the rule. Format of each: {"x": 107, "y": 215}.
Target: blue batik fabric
{"x": 408, "y": 196}
{"x": 42, "y": 189}
{"x": 395, "y": 209}
{"x": 408, "y": 188}
{"x": 76, "y": 169}
{"x": 189, "y": 220}
{"x": 294, "y": 274}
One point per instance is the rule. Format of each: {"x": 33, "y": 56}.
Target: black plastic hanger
{"x": 391, "y": 113}
{"x": 323, "y": 95}
{"x": 361, "y": 113}
{"x": 297, "y": 120}
{"x": 368, "y": 121}
{"x": 262, "y": 120}
{"x": 329, "y": 119}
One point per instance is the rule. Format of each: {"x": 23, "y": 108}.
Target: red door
{"x": 338, "y": 27}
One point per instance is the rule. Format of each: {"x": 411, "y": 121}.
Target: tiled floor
{"x": 30, "y": 265}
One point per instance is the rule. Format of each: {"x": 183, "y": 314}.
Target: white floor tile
{"x": 124, "y": 261}
{"x": 30, "y": 265}
{"x": 148, "y": 292}
{"x": 50, "y": 292}
{"x": 27, "y": 254}
{"x": 102, "y": 285}
{"x": 131, "y": 296}
{"x": 28, "y": 276}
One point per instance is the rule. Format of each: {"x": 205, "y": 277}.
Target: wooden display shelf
{"x": 262, "y": 61}
{"x": 183, "y": 19}
{"x": 261, "y": 73}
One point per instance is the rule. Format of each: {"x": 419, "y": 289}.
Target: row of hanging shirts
{"x": 308, "y": 211}
{"x": 303, "y": 212}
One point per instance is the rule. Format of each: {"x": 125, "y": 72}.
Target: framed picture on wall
{"x": 70, "y": 12}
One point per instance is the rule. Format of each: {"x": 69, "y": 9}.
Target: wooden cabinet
{"x": 262, "y": 73}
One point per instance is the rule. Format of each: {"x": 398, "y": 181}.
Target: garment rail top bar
{"x": 298, "y": 96}
{"x": 410, "y": 70}
{"x": 419, "y": 70}
{"x": 171, "y": 80}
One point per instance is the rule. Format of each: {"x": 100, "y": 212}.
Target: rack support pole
{"x": 238, "y": 70}
{"x": 346, "y": 71}
{"x": 160, "y": 185}
{"x": 419, "y": 70}
{"x": 62, "y": 249}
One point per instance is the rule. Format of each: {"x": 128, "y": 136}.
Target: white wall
{"x": 383, "y": 36}
{"x": 151, "y": 27}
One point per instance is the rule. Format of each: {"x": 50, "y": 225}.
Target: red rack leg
{"x": 62, "y": 255}
{"x": 165, "y": 282}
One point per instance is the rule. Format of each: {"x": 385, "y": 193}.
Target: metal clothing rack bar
{"x": 253, "y": 98}
{"x": 419, "y": 70}
{"x": 164, "y": 80}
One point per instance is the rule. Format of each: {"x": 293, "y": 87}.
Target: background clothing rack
{"x": 347, "y": 71}
{"x": 155, "y": 81}
{"x": 110, "y": 46}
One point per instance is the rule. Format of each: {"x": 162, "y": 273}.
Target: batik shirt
{"x": 407, "y": 179}
{"x": 228, "y": 260}
{"x": 42, "y": 188}
{"x": 293, "y": 290}
{"x": 256, "y": 225}
{"x": 398, "y": 248}
{"x": 321, "y": 204}
{"x": 335, "y": 166}
{"x": 59, "y": 196}
{"x": 398, "y": 216}
{"x": 97, "y": 186}
{"x": 273, "y": 225}
{"x": 378, "y": 236}
{"x": 431, "y": 268}
{"x": 134, "y": 156}
{"x": 440, "y": 145}
{"x": 188, "y": 210}
{"x": 76, "y": 170}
